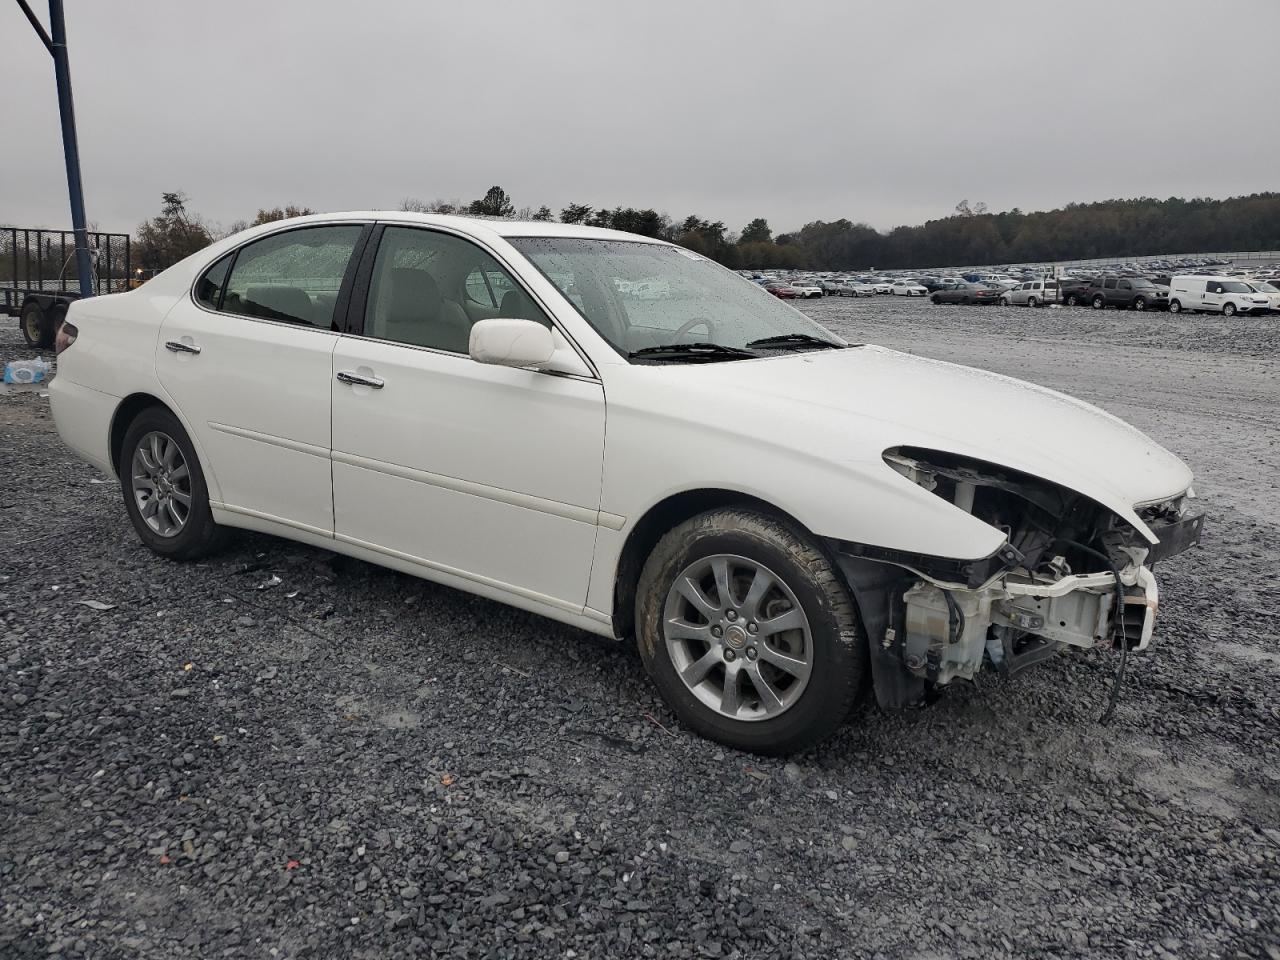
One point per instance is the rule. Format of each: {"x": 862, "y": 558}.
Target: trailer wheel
{"x": 34, "y": 322}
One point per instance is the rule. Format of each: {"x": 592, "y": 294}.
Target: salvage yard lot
{"x": 279, "y": 753}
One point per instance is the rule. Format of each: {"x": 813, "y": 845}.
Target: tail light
{"x": 67, "y": 334}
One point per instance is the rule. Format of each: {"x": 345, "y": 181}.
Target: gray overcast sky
{"x": 883, "y": 112}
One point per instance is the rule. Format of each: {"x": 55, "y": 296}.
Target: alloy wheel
{"x": 738, "y": 638}
{"x": 161, "y": 482}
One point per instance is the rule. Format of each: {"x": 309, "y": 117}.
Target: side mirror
{"x": 511, "y": 343}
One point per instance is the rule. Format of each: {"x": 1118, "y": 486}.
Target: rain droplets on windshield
{"x": 639, "y": 295}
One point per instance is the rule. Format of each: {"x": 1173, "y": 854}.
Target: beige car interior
{"x": 429, "y": 288}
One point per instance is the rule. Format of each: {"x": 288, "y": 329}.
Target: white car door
{"x": 1213, "y": 297}
{"x": 246, "y": 359}
{"x": 487, "y": 473}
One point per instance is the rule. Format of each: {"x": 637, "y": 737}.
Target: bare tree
{"x": 414, "y": 205}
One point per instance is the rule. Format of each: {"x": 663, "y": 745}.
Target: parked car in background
{"x": 908, "y": 288}
{"x": 784, "y": 291}
{"x": 1216, "y": 294}
{"x": 882, "y": 285}
{"x": 850, "y": 287}
{"x": 806, "y": 288}
{"x": 976, "y": 293}
{"x": 1073, "y": 291}
{"x": 1033, "y": 293}
{"x": 1268, "y": 290}
{"x": 831, "y": 286}
{"x": 1137, "y": 293}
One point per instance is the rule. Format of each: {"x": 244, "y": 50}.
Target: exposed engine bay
{"x": 1070, "y": 573}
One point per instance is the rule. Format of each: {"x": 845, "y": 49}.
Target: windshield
{"x": 639, "y": 295}
{"x": 1263, "y": 287}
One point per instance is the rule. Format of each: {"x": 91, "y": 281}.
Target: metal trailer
{"x": 34, "y": 281}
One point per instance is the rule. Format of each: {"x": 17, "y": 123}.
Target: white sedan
{"x": 781, "y": 519}
{"x": 908, "y": 288}
{"x": 1268, "y": 290}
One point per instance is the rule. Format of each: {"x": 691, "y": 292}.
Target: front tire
{"x": 1228, "y": 309}
{"x": 1139, "y": 303}
{"x": 749, "y": 632}
{"x": 164, "y": 488}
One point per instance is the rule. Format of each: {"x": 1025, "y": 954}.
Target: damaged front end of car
{"x": 1070, "y": 573}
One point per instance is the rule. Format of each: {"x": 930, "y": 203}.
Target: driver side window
{"x": 423, "y": 282}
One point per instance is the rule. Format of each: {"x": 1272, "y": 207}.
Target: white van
{"x": 1225, "y": 295}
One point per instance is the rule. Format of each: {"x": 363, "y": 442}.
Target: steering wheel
{"x": 690, "y": 324}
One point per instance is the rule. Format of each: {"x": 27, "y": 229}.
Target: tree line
{"x": 969, "y": 235}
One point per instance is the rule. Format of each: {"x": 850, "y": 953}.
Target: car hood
{"x": 868, "y": 399}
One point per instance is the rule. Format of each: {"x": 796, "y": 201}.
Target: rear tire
{"x": 182, "y": 531}
{"x": 726, "y": 650}
{"x": 1072, "y": 300}
{"x": 1032, "y": 302}
{"x": 1175, "y": 306}
{"x": 936, "y": 299}
{"x": 1099, "y": 303}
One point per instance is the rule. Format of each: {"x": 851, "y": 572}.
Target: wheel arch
{"x": 663, "y": 516}
{"x": 126, "y": 412}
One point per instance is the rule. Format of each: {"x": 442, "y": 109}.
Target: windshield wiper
{"x": 692, "y": 351}
{"x": 784, "y": 340}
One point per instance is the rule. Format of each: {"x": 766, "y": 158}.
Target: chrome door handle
{"x": 346, "y": 376}
{"x": 177, "y": 346}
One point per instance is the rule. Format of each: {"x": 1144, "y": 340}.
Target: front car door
{"x": 1213, "y": 296}
{"x": 246, "y": 360}
{"x": 486, "y": 474}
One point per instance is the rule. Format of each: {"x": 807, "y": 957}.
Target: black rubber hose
{"x": 1116, "y": 684}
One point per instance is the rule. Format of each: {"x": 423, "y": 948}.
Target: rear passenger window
{"x": 292, "y": 277}
{"x": 209, "y": 287}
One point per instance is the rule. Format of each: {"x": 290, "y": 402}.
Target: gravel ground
{"x": 277, "y": 753}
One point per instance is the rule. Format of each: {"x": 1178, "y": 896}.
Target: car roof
{"x": 478, "y": 226}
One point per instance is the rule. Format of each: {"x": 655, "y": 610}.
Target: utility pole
{"x": 55, "y": 41}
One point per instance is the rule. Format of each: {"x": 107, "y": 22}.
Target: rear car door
{"x": 246, "y": 360}
{"x": 480, "y": 472}
{"x": 1109, "y": 291}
